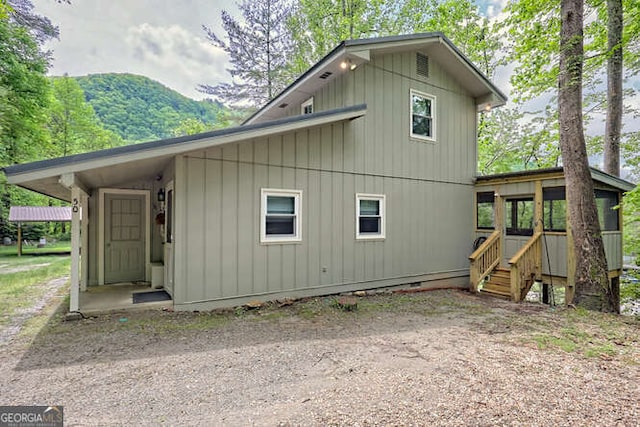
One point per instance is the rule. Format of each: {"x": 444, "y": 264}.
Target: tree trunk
{"x": 613, "y": 125}
{"x": 592, "y": 287}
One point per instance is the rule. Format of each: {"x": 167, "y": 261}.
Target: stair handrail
{"x": 484, "y": 259}
{"x": 526, "y": 266}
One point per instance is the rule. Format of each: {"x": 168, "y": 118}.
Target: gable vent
{"x": 325, "y": 75}
{"x": 422, "y": 65}
{"x": 283, "y": 105}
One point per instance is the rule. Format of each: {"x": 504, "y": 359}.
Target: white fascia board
{"x": 317, "y": 69}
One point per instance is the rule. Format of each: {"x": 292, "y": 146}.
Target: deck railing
{"x": 526, "y": 266}
{"x": 485, "y": 259}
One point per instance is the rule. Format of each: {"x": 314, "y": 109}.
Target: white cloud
{"x": 163, "y": 51}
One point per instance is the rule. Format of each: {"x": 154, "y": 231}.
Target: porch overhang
{"x": 117, "y": 166}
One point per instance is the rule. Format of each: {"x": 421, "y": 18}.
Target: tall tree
{"x": 23, "y": 101}
{"x": 40, "y": 27}
{"x": 329, "y": 22}
{"x": 73, "y": 125}
{"x": 592, "y": 287}
{"x": 258, "y": 48}
{"x": 613, "y": 126}
{"x": 536, "y": 64}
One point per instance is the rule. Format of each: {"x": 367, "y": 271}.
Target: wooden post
{"x": 84, "y": 248}
{"x": 19, "y": 239}
{"x": 74, "y": 302}
{"x": 539, "y": 226}
{"x": 499, "y": 219}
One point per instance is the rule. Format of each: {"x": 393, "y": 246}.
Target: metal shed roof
{"x": 39, "y": 214}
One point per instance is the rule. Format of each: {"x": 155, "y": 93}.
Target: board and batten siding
{"x": 220, "y": 258}
{"x": 384, "y": 85}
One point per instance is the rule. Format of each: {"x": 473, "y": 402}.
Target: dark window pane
{"x": 555, "y": 215}
{"x": 369, "y": 225}
{"x": 280, "y": 225}
{"x": 369, "y": 207}
{"x": 519, "y": 217}
{"x": 421, "y": 126}
{"x": 280, "y": 205}
{"x": 484, "y": 210}
{"x": 607, "y": 202}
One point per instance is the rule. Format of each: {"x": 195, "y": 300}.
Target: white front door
{"x": 169, "y": 236}
{"x": 124, "y": 238}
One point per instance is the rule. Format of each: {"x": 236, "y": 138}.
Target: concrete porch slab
{"x": 116, "y": 297}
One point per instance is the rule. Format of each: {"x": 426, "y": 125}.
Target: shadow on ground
{"x": 153, "y": 333}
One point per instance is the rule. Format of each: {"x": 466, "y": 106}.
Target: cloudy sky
{"x": 160, "y": 39}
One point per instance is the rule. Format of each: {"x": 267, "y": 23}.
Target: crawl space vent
{"x": 422, "y": 65}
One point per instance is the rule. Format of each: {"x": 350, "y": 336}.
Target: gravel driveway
{"x": 440, "y": 358}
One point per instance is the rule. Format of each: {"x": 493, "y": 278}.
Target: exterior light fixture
{"x": 161, "y": 195}
{"x": 347, "y": 63}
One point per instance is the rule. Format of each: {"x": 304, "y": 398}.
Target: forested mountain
{"x": 140, "y": 109}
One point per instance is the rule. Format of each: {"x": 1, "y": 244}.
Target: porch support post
{"x": 74, "y": 303}
{"x": 84, "y": 233}
{"x": 539, "y": 227}
{"x": 19, "y": 239}
{"x": 499, "y": 220}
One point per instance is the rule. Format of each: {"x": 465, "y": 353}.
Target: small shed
{"x": 22, "y": 214}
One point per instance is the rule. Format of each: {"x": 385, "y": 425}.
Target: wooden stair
{"x": 498, "y": 283}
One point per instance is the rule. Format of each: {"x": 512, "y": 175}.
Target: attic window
{"x": 325, "y": 75}
{"x": 307, "y": 106}
{"x": 422, "y": 65}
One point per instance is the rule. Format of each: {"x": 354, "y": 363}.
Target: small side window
{"x": 280, "y": 216}
{"x": 554, "y": 209}
{"x": 307, "y": 106}
{"x": 607, "y": 202}
{"x": 484, "y": 210}
{"x": 423, "y": 107}
{"x": 370, "y": 216}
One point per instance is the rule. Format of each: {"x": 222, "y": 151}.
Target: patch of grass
{"x": 60, "y": 247}
{"x": 22, "y": 281}
{"x": 545, "y": 341}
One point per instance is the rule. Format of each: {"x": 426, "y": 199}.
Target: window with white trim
{"x": 370, "y": 216}
{"x": 280, "y": 216}
{"x": 423, "y": 118}
{"x": 307, "y": 106}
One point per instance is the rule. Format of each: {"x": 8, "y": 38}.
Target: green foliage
{"x": 459, "y": 20}
{"x": 24, "y": 95}
{"x": 140, "y": 109}
{"x": 328, "y": 22}
{"x": 73, "y": 125}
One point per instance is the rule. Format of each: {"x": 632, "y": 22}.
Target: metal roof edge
{"x": 596, "y": 174}
{"x": 372, "y": 42}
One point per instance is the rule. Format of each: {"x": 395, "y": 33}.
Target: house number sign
{"x": 75, "y": 205}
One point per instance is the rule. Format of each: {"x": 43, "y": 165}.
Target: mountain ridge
{"x": 139, "y": 108}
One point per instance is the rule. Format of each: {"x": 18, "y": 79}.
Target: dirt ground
{"x": 435, "y": 358}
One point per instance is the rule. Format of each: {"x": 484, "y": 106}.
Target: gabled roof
{"x": 358, "y": 51}
{"x": 116, "y": 166}
{"x": 596, "y": 175}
